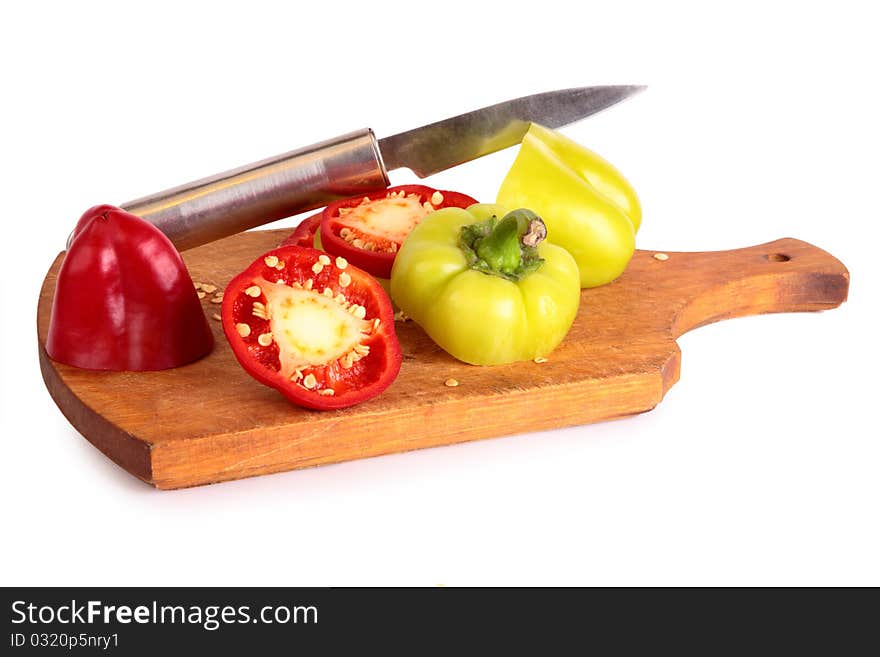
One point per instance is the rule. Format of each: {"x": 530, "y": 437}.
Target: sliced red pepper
{"x": 312, "y": 326}
{"x": 124, "y": 299}
{"x": 304, "y": 235}
{"x": 369, "y": 230}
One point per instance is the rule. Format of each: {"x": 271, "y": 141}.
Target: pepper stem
{"x": 506, "y": 248}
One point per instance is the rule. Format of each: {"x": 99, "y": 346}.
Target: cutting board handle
{"x": 787, "y": 275}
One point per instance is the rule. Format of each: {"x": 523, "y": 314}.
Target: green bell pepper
{"x": 589, "y": 207}
{"x": 485, "y": 286}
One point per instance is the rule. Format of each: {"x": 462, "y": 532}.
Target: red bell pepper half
{"x": 314, "y": 327}
{"x": 124, "y": 299}
{"x": 369, "y": 230}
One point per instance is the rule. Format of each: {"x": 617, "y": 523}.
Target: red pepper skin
{"x": 124, "y": 300}
{"x": 378, "y": 263}
{"x": 271, "y": 313}
{"x": 304, "y": 235}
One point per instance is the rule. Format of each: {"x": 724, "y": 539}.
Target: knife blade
{"x": 255, "y": 194}
{"x": 439, "y": 146}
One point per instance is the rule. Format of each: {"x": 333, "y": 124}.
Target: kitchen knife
{"x": 355, "y": 163}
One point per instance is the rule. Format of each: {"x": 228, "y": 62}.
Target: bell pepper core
{"x": 368, "y": 230}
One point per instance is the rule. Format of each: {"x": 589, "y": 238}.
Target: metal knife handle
{"x": 255, "y": 194}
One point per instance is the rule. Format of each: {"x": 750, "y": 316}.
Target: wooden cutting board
{"x": 209, "y": 421}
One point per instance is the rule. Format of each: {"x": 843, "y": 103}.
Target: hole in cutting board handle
{"x": 777, "y": 257}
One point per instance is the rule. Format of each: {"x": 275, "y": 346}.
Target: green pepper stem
{"x": 506, "y": 248}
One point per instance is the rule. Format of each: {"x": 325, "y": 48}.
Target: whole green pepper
{"x": 589, "y": 207}
{"x": 485, "y": 286}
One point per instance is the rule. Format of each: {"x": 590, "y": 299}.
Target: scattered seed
{"x": 341, "y": 262}
{"x": 209, "y": 289}
{"x": 216, "y": 316}
{"x": 200, "y": 294}
{"x": 317, "y": 267}
{"x": 344, "y": 279}
{"x": 198, "y": 286}
{"x": 297, "y": 375}
{"x": 253, "y": 291}
{"x": 451, "y": 383}
{"x": 324, "y": 260}
{"x": 345, "y": 233}
{"x": 310, "y": 381}
{"x": 357, "y": 243}
{"x": 340, "y": 298}
{"x": 400, "y": 316}
{"x": 661, "y": 257}
{"x": 244, "y": 330}
{"x": 328, "y": 292}
{"x": 436, "y": 198}
{"x": 376, "y": 323}
{"x": 265, "y": 339}
{"x": 327, "y": 392}
{"x": 271, "y": 260}
{"x": 308, "y": 284}
{"x": 360, "y": 312}
{"x": 540, "y": 359}
{"x": 280, "y": 265}
{"x": 361, "y": 349}
{"x": 427, "y": 205}
{"x": 218, "y": 298}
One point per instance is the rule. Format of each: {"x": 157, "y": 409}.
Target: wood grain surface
{"x": 210, "y": 422}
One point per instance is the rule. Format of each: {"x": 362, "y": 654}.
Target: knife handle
{"x": 227, "y": 203}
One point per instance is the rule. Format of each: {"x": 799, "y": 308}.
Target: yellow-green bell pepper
{"x": 589, "y": 207}
{"x": 485, "y": 286}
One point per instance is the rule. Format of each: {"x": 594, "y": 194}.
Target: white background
{"x": 759, "y": 467}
